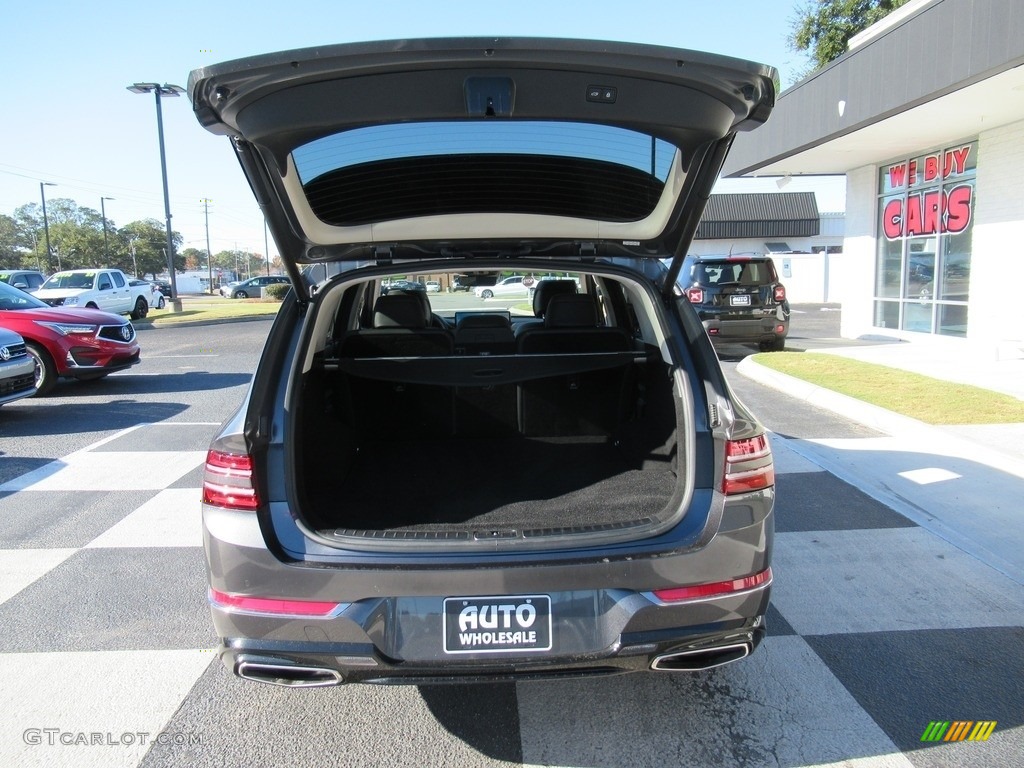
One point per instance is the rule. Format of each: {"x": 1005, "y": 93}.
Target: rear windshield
{"x": 420, "y": 169}
{"x": 734, "y": 273}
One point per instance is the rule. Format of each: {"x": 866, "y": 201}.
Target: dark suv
{"x": 738, "y": 298}
{"x": 416, "y": 493}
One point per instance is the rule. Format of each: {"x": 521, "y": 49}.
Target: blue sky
{"x": 69, "y": 120}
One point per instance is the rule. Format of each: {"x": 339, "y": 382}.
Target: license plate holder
{"x": 739, "y": 300}
{"x": 497, "y": 624}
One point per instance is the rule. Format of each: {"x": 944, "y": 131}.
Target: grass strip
{"x": 201, "y": 311}
{"x": 932, "y": 401}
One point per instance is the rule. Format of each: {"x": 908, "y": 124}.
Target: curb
{"x": 880, "y": 419}
{"x": 201, "y": 321}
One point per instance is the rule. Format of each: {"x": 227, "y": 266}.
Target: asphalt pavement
{"x": 960, "y": 482}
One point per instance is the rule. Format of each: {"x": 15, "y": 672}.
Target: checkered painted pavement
{"x": 877, "y": 628}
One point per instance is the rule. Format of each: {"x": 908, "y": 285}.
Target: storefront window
{"x": 887, "y": 314}
{"x": 890, "y": 263}
{"x": 926, "y": 207}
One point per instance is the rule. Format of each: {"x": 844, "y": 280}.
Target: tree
{"x": 824, "y": 27}
{"x": 13, "y": 246}
{"x": 243, "y": 264}
{"x": 194, "y": 258}
{"x": 145, "y": 242}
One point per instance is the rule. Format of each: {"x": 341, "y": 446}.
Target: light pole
{"x": 266, "y": 246}
{"x": 163, "y": 90}
{"x": 46, "y": 223}
{"x": 106, "y": 250}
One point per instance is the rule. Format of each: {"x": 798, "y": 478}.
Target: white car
{"x": 510, "y": 287}
{"x": 433, "y": 286}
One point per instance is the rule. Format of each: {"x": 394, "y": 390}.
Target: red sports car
{"x": 75, "y": 343}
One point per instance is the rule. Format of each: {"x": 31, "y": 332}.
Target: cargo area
{"x": 532, "y": 455}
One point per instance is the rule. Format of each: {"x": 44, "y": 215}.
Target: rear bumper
{"x": 389, "y": 626}
{"x": 768, "y": 327}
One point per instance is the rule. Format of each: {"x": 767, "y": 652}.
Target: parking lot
{"x": 878, "y": 627}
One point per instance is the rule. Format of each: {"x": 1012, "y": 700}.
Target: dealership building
{"x": 924, "y": 115}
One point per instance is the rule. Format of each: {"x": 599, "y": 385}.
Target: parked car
{"x": 75, "y": 343}
{"x": 471, "y": 281}
{"x": 17, "y": 369}
{"x": 433, "y": 286}
{"x": 151, "y": 292}
{"x": 25, "y": 279}
{"x": 397, "y": 501}
{"x": 107, "y": 289}
{"x": 403, "y": 285}
{"x": 252, "y": 287}
{"x": 738, "y": 298}
{"x": 517, "y": 285}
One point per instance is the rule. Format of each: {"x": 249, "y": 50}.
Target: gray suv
{"x": 415, "y": 493}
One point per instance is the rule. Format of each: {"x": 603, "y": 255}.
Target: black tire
{"x": 486, "y": 294}
{"x": 161, "y": 304}
{"x": 46, "y": 371}
{"x": 241, "y": 295}
{"x": 778, "y": 345}
{"x": 141, "y": 309}
{"x": 91, "y": 305}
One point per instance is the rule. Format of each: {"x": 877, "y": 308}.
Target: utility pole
{"x": 209, "y": 254}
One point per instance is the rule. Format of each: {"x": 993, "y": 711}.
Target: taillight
{"x": 748, "y": 465}
{"x": 695, "y": 295}
{"x": 272, "y": 605}
{"x": 228, "y": 481}
{"x": 780, "y": 293}
{"x": 714, "y": 589}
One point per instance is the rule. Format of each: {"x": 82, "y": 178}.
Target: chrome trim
{"x": 278, "y": 673}
{"x": 709, "y": 652}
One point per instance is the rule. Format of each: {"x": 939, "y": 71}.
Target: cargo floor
{"x": 520, "y": 484}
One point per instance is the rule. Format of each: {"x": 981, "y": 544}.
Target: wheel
{"x": 141, "y": 309}
{"x": 91, "y": 305}
{"x": 161, "y": 304}
{"x": 241, "y": 295}
{"x": 486, "y": 294}
{"x": 778, "y": 345}
{"x": 46, "y": 371}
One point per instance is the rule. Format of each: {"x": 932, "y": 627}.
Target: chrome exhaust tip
{"x": 700, "y": 659}
{"x": 287, "y": 675}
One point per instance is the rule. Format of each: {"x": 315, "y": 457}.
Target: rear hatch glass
{"x": 408, "y": 170}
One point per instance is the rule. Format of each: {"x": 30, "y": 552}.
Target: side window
{"x": 104, "y": 283}
{"x": 118, "y": 280}
{"x": 34, "y": 281}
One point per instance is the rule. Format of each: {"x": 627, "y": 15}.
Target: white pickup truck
{"x": 106, "y": 289}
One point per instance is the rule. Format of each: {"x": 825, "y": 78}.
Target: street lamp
{"x": 106, "y": 250}
{"x": 46, "y": 224}
{"x": 163, "y": 90}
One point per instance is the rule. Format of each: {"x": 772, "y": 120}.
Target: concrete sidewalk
{"x": 963, "y": 483}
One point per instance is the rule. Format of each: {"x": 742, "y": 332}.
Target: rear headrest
{"x": 546, "y": 289}
{"x": 399, "y": 310}
{"x": 421, "y": 297}
{"x": 571, "y": 310}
